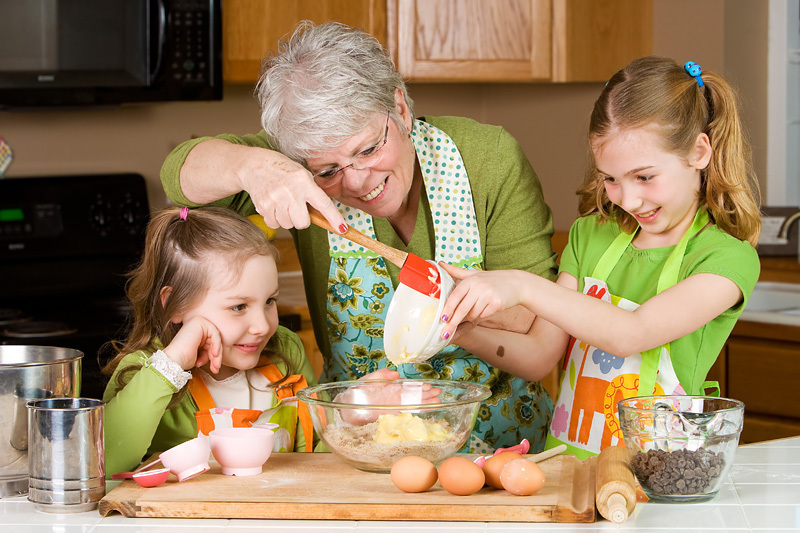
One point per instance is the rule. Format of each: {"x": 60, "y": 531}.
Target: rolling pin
{"x": 615, "y": 486}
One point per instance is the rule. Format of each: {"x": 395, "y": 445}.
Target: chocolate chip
{"x": 681, "y": 472}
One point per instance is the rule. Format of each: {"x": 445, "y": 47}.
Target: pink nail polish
{"x": 342, "y": 228}
{"x": 445, "y": 318}
{"x": 446, "y": 335}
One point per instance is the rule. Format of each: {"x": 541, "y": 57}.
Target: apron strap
{"x": 714, "y": 385}
{"x": 200, "y": 393}
{"x": 288, "y": 389}
{"x": 612, "y": 255}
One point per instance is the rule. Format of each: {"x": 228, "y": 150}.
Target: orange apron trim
{"x": 288, "y": 389}
{"x": 246, "y": 417}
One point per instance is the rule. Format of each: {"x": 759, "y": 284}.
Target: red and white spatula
{"x": 415, "y": 272}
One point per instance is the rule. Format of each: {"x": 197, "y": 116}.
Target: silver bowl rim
{"x": 68, "y": 355}
{"x": 738, "y": 405}
{"x": 483, "y": 393}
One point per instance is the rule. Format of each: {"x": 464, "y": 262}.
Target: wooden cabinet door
{"x": 251, "y": 29}
{"x": 594, "y": 39}
{"x": 517, "y": 40}
{"x": 764, "y": 375}
{"x": 471, "y": 40}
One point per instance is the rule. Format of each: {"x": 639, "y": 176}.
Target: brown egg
{"x": 413, "y": 474}
{"x": 460, "y": 476}
{"x": 493, "y": 466}
{"x": 522, "y": 477}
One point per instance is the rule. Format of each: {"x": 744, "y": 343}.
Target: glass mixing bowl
{"x": 681, "y": 447}
{"x": 372, "y": 423}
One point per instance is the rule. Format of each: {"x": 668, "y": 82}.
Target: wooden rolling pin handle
{"x": 393, "y": 255}
{"x": 615, "y": 487}
{"x": 547, "y": 454}
{"x": 617, "y": 508}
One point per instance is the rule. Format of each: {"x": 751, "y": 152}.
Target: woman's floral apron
{"x": 286, "y": 411}
{"x": 594, "y": 381}
{"x": 360, "y": 288}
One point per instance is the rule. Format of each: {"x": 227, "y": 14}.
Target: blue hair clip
{"x": 694, "y": 70}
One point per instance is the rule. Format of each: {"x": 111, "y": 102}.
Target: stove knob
{"x": 130, "y": 216}
{"x": 100, "y": 217}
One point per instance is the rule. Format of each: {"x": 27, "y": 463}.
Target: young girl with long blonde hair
{"x": 658, "y": 267}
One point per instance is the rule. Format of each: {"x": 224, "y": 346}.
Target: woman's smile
{"x": 374, "y": 193}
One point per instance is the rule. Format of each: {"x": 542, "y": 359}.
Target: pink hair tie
{"x": 184, "y": 213}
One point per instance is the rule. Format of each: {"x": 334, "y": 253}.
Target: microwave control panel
{"x": 188, "y": 24}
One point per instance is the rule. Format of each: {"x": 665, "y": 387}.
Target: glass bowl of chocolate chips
{"x": 681, "y": 447}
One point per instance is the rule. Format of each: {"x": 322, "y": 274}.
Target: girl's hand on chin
{"x": 197, "y": 342}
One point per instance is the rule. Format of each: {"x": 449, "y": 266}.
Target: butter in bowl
{"x": 371, "y": 424}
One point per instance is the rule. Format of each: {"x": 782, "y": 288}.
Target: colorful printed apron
{"x": 594, "y": 381}
{"x": 360, "y": 288}
{"x": 286, "y": 411}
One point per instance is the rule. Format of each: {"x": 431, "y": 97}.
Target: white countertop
{"x": 761, "y": 494}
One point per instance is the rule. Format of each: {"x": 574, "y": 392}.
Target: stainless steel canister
{"x": 67, "y": 458}
{"x": 29, "y": 373}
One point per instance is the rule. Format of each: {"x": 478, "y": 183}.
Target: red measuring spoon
{"x": 144, "y": 477}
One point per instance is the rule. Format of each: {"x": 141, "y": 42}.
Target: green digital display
{"x": 14, "y": 214}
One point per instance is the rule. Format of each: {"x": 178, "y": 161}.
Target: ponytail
{"x": 730, "y": 186}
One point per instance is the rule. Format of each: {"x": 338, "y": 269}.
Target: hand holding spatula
{"x": 415, "y": 272}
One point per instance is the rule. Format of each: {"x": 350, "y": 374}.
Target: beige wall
{"x": 548, "y": 120}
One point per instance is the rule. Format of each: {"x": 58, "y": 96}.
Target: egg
{"x": 522, "y": 477}
{"x": 493, "y": 466}
{"x": 460, "y": 476}
{"x": 413, "y": 474}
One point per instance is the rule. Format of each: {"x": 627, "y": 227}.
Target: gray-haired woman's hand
{"x": 282, "y": 190}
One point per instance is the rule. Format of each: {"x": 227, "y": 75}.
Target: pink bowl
{"x": 241, "y": 451}
{"x": 188, "y": 459}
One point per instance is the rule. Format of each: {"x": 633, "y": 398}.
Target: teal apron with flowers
{"x": 360, "y": 288}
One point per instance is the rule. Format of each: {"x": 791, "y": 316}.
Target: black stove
{"x": 66, "y": 244}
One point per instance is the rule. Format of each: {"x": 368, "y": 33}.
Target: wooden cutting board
{"x": 320, "y": 486}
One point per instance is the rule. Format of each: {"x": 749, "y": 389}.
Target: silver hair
{"x": 325, "y": 84}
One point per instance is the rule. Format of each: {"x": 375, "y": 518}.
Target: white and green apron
{"x": 360, "y": 288}
{"x": 594, "y": 381}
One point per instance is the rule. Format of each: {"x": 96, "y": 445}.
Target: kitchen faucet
{"x": 783, "y": 233}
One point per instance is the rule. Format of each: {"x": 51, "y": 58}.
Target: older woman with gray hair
{"x": 340, "y": 135}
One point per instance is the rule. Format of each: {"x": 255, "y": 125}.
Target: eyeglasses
{"x": 364, "y": 159}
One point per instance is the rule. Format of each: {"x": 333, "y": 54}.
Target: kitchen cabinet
{"x": 457, "y": 40}
{"x": 760, "y": 365}
{"x": 251, "y": 29}
{"x": 517, "y": 40}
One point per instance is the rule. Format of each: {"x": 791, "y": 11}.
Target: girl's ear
{"x": 702, "y": 152}
{"x": 164, "y": 296}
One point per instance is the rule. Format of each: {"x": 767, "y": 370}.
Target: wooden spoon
{"x": 415, "y": 272}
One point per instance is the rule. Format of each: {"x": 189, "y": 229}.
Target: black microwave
{"x": 109, "y": 52}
